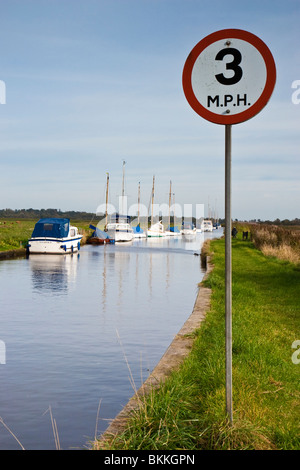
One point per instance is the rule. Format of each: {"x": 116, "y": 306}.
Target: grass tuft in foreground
{"x": 188, "y": 410}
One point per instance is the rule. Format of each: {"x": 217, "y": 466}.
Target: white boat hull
{"x": 152, "y": 233}
{"x": 188, "y": 234}
{"x": 55, "y": 246}
{"x": 123, "y": 236}
{"x": 156, "y": 230}
{"x": 207, "y": 226}
{"x": 140, "y": 235}
{"x": 120, "y": 234}
{"x": 170, "y": 234}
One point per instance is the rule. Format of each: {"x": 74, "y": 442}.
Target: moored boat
{"x": 207, "y": 226}
{"x": 119, "y": 228}
{"x": 156, "y": 230}
{"x": 99, "y": 237}
{"x": 188, "y": 231}
{"x": 138, "y": 232}
{"x": 172, "y": 231}
{"x": 54, "y": 236}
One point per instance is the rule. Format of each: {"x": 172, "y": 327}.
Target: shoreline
{"x": 176, "y": 352}
{"x": 9, "y": 254}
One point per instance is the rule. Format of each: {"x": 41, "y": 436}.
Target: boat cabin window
{"x": 72, "y": 232}
{"x": 48, "y": 226}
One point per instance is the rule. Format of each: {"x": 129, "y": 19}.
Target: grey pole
{"x": 228, "y": 271}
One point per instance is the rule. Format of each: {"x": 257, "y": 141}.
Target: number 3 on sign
{"x": 229, "y": 76}
{"x": 234, "y": 65}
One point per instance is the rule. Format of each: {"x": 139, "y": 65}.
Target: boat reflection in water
{"x": 53, "y": 273}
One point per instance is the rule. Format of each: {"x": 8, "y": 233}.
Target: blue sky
{"x": 90, "y": 83}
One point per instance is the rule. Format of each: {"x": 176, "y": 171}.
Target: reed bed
{"x": 272, "y": 240}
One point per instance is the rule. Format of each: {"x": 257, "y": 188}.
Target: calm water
{"x": 74, "y": 328}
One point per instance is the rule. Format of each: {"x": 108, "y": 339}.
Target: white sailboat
{"x": 100, "y": 237}
{"x": 119, "y": 227}
{"x": 156, "y": 229}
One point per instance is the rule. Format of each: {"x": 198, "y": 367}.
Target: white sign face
{"x": 229, "y": 79}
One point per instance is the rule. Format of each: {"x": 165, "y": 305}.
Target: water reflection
{"x": 129, "y": 266}
{"x": 53, "y": 272}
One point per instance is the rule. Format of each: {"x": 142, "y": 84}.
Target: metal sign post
{"x": 228, "y": 273}
{"x": 228, "y": 78}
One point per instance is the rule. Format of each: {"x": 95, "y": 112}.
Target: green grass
{"x": 188, "y": 411}
{"x": 15, "y": 234}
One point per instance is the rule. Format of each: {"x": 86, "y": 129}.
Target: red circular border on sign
{"x": 262, "y": 100}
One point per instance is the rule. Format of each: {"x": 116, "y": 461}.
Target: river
{"x": 76, "y": 327}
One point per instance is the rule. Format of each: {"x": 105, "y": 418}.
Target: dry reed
{"x": 280, "y": 242}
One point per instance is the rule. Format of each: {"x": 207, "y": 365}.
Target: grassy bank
{"x": 188, "y": 411}
{"x": 14, "y": 234}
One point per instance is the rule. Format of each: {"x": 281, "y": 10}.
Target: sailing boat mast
{"x": 139, "y": 198}
{"x": 123, "y": 186}
{"x": 106, "y": 203}
{"x": 170, "y": 195}
{"x": 152, "y": 200}
{"x": 123, "y": 179}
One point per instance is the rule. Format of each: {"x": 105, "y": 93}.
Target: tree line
{"x": 295, "y": 221}
{"x": 81, "y": 215}
{"x": 43, "y": 213}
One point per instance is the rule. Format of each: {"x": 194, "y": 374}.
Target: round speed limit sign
{"x": 229, "y": 76}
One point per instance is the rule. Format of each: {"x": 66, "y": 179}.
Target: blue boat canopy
{"x": 98, "y": 233}
{"x": 138, "y": 229}
{"x": 51, "y": 228}
{"x": 173, "y": 229}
